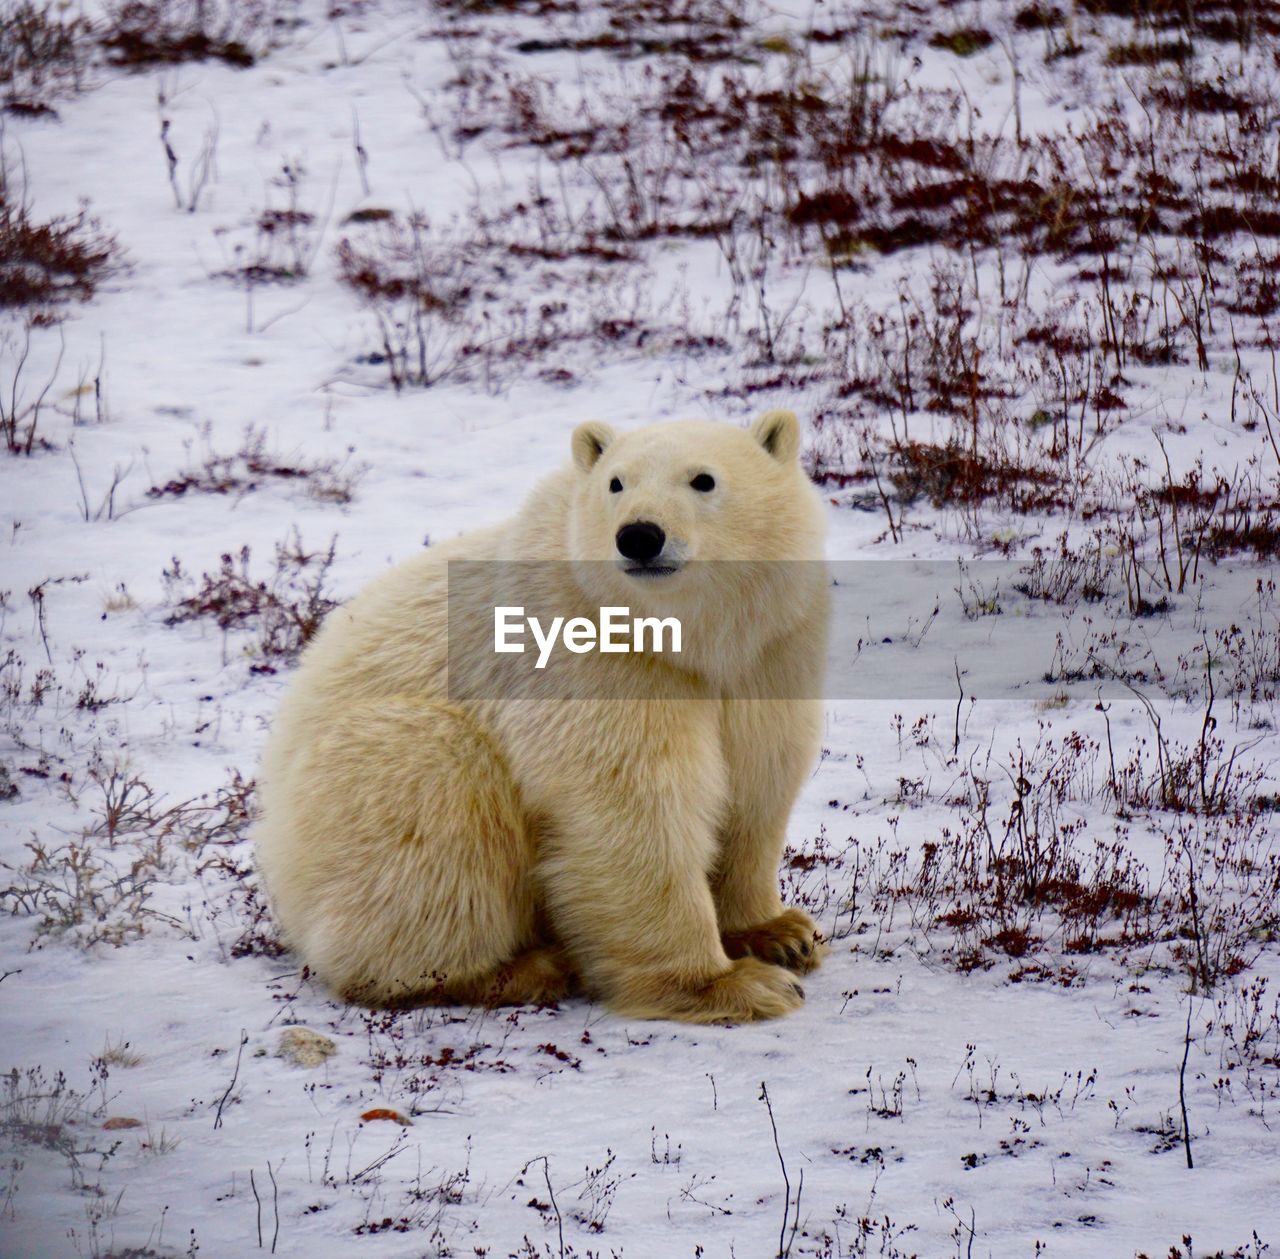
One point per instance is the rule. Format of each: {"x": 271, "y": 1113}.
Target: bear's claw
{"x": 789, "y": 940}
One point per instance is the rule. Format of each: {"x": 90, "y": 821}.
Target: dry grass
{"x": 282, "y": 610}
{"x": 46, "y": 263}
{"x": 100, "y": 887}
{"x": 253, "y": 465}
{"x": 45, "y": 53}
{"x": 139, "y": 34}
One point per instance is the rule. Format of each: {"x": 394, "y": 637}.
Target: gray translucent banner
{"x": 860, "y": 630}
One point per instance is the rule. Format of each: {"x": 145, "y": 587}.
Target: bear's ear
{"x": 779, "y": 433}
{"x": 590, "y": 441}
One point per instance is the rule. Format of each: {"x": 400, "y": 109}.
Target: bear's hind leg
{"x": 400, "y": 861}
{"x": 540, "y": 976}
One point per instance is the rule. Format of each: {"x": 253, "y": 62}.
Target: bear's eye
{"x": 704, "y": 483}
{"x": 615, "y": 486}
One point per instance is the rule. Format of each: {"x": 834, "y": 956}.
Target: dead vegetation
{"x": 45, "y": 54}
{"x": 107, "y": 885}
{"x": 51, "y": 51}
{"x": 978, "y": 391}
{"x": 417, "y": 284}
{"x": 279, "y": 248}
{"x": 254, "y": 465}
{"x": 1017, "y": 875}
{"x": 24, "y": 401}
{"x": 46, "y": 263}
{"x": 441, "y": 310}
{"x": 140, "y": 34}
{"x": 280, "y": 611}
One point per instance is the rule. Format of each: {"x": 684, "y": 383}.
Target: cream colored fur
{"x": 419, "y": 848}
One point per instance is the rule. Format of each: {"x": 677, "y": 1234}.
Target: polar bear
{"x": 425, "y": 837}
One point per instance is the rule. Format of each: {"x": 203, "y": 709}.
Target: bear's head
{"x": 652, "y": 500}
{"x": 697, "y": 519}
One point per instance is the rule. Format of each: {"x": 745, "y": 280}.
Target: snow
{"x": 952, "y": 1111}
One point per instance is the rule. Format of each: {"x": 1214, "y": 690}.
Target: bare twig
{"x": 362, "y": 154}
{"x": 551, "y": 1193}
{"x": 258, "y": 1202}
{"x": 1182, "y": 1086}
{"x": 784, "y": 1242}
{"x": 275, "y": 1207}
{"x": 235, "y": 1075}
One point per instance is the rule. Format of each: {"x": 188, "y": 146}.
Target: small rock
{"x": 304, "y": 1048}
{"x": 121, "y": 1121}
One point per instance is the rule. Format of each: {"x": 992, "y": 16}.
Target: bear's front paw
{"x": 791, "y": 940}
{"x": 749, "y": 990}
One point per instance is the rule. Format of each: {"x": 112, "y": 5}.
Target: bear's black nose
{"x": 641, "y": 541}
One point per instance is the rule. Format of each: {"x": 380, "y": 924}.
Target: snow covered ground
{"x": 1035, "y": 330}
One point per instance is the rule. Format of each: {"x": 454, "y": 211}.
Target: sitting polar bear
{"x": 425, "y": 839}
